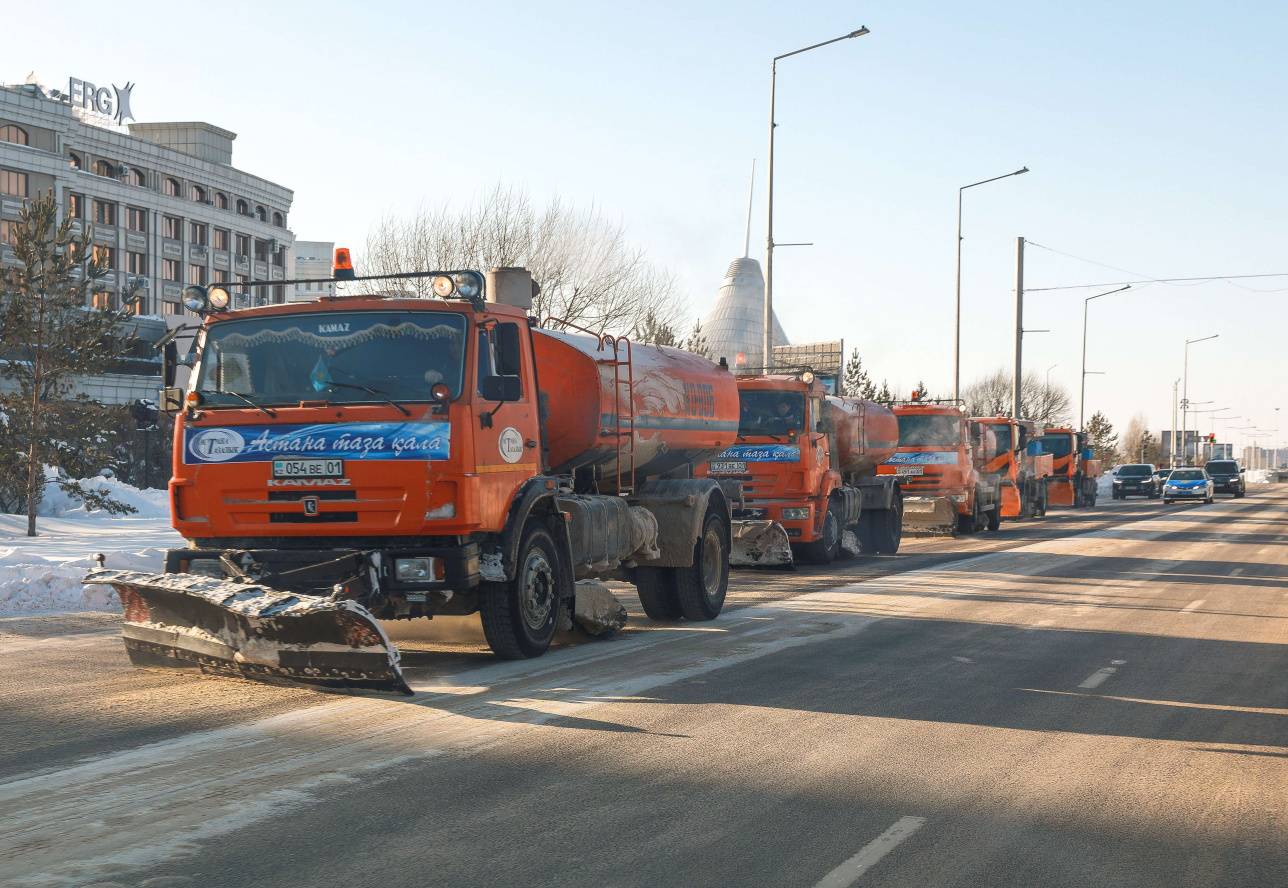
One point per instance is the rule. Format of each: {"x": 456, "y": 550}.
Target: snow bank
{"x": 1259, "y": 476}
{"x": 43, "y": 574}
{"x": 149, "y": 503}
{"x": 1105, "y": 485}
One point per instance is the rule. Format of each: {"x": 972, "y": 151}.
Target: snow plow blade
{"x": 929, "y": 516}
{"x": 239, "y": 628}
{"x": 759, "y": 544}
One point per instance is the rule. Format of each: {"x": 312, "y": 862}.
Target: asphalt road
{"x": 1097, "y": 699}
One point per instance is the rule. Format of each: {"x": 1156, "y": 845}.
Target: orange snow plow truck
{"x": 1074, "y": 474}
{"x": 1016, "y": 461}
{"x": 938, "y": 465}
{"x": 806, "y": 464}
{"x": 367, "y": 458}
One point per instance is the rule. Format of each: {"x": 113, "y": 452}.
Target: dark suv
{"x": 1136, "y": 479}
{"x": 1227, "y": 477}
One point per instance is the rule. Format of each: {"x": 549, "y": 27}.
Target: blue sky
{"x": 1155, "y": 133}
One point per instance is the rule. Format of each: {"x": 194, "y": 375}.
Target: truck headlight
{"x": 959, "y": 497}
{"x": 795, "y": 514}
{"x": 412, "y": 570}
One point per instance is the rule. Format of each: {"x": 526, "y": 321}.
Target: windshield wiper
{"x": 369, "y": 390}
{"x": 245, "y": 400}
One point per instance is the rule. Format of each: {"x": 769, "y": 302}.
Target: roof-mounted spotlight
{"x": 196, "y": 299}
{"x": 342, "y": 267}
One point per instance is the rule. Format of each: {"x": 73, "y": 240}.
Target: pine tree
{"x": 697, "y": 342}
{"x": 923, "y": 393}
{"x": 653, "y": 330}
{"x": 1101, "y": 437}
{"x": 51, "y": 336}
{"x": 857, "y": 383}
{"x": 885, "y": 394}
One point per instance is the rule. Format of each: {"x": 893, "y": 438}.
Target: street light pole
{"x": 1082, "y": 396}
{"x": 1185, "y": 387}
{"x": 957, "y": 327}
{"x": 767, "y": 342}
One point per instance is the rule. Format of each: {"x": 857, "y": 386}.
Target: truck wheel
{"x": 519, "y": 617}
{"x": 969, "y": 523}
{"x": 995, "y": 516}
{"x": 657, "y": 594}
{"x": 887, "y": 528}
{"x": 700, "y": 588}
{"x": 823, "y": 550}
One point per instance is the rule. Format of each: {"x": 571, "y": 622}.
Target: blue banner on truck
{"x": 346, "y": 440}
{"x": 762, "y": 453}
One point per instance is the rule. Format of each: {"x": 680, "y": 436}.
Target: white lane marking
{"x": 1194, "y": 605}
{"x": 1097, "y": 678}
{"x": 1237, "y": 572}
{"x": 963, "y": 659}
{"x": 1117, "y": 662}
{"x": 870, "y": 854}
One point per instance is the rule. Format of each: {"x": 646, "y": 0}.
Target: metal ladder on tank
{"x": 623, "y": 429}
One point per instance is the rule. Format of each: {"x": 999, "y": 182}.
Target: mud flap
{"x": 197, "y": 622}
{"x": 759, "y": 544}
{"x": 933, "y": 516}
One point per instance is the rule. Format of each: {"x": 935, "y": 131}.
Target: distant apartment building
{"x": 311, "y": 261}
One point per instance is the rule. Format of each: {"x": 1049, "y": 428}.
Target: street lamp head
{"x": 859, "y": 33}
{"x": 1021, "y": 171}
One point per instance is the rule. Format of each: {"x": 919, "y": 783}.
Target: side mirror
{"x": 1034, "y": 448}
{"x": 509, "y": 353}
{"x": 501, "y": 388}
{"x": 169, "y": 361}
{"x": 170, "y": 400}
{"x": 1088, "y": 453}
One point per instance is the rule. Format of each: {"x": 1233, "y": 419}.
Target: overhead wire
{"x": 1149, "y": 279}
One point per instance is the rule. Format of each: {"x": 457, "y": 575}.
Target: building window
{"x": 279, "y": 257}
{"x": 170, "y": 270}
{"x": 261, "y": 214}
{"x": 136, "y": 264}
{"x": 104, "y": 256}
{"x": 102, "y": 300}
{"x": 197, "y": 274}
{"x": 136, "y": 219}
{"x": 279, "y": 220}
{"x": 221, "y": 200}
{"x": 104, "y": 168}
{"x": 279, "y": 293}
{"x": 76, "y": 205}
{"x": 13, "y": 183}
{"x": 197, "y": 233}
{"x": 172, "y": 227}
{"x": 138, "y": 178}
{"x": 243, "y": 208}
{"x": 104, "y": 212}
{"x": 74, "y": 161}
{"x": 15, "y": 134}
{"x": 199, "y": 194}
{"x": 8, "y": 233}
{"x": 221, "y": 239}
{"x": 243, "y": 245}
{"x": 261, "y": 251}
{"x": 171, "y": 308}
{"x": 171, "y": 187}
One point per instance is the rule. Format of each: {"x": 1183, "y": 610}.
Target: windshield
{"x": 1187, "y": 475}
{"x": 341, "y": 357}
{"x": 1056, "y": 445}
{"x": 1003, "y": 435}
{"x": 1140, "y": 471}
{"x": 1223, "y": 467}
{"x": 770, "y": 413}
{"x": 930, "y": 428}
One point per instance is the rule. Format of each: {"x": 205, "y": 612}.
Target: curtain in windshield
{"x": 770, "y": 413}
{"x": 341, "y": 357}
{"x": 929, "y": 428}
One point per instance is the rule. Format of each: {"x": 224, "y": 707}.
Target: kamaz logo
{"x": 113, "y": 103}
{"x": 309, "y": 482}
{"x": 334, "y": 328}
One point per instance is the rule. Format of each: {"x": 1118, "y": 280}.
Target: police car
{"x": 1188, "y": 484}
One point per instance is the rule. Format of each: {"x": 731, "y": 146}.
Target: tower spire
{"x": 751, "y": 194}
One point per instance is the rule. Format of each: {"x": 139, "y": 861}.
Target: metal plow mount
{"x": 926, "y": 517}
{"x": 188, "y": 621}
{"x": 759, "y": 544}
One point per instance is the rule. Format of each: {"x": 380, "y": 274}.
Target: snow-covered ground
{"x": 43, "y": 574}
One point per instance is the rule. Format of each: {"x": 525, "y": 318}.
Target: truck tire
{"x": 700, "y": 588}
{"x": 995, "y": 516}
{"x": 657, "y": 594}
{"x": 520, "y": 616}
{"x": 823, "y": 550}
{"x": 970, "y": 523}
{"x": 887, "y": 528}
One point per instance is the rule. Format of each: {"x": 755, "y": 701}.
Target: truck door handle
{"x": 529, "y": 444}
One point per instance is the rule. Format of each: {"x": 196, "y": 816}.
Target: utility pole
{"x": 1171, "y": 455}
{"x": 1019, "y": 326}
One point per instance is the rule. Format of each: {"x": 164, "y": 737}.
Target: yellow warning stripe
{"x": 506, "y": 467}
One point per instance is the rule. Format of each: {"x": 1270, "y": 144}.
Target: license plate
{"x": 308, "y": 468}
{"x": 910, "y": 470}
{"x": 729, "y": 467}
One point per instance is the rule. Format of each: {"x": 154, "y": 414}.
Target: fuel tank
{"x": 682, "y": 408}
{"x": 866, "y": 433}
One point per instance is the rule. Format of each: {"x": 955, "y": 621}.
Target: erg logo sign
{"x": 216, "y": 445}
{"x": 113, "y": 103}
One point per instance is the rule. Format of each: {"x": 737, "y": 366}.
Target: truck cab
{"x": 1013, "y": 460}
{"x": 938, "y": 463}
{"x": 1074, "y": 471}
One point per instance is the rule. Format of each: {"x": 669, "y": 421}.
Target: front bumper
{"x": 1186, "y": 493}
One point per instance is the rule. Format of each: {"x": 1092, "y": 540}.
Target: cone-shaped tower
{"x": 735, "y": 327}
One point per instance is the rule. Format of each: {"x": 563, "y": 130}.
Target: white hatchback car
{"x": 1188, "y": 484}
